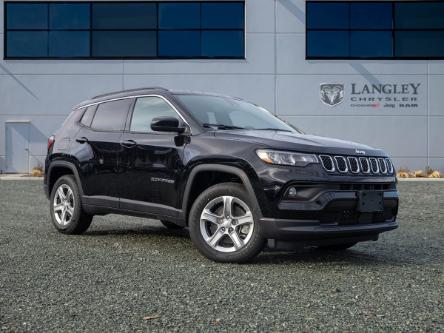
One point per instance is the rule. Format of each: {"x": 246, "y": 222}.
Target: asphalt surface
{"x": 129, "y": 274}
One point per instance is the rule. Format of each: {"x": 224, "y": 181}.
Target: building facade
{"x": 362, "y": 71}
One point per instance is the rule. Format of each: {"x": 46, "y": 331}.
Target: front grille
{"x": 357, "y": 165}
{"x": 341, "y": 164}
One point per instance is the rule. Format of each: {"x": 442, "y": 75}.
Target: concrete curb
{"x": 19, "y": 177}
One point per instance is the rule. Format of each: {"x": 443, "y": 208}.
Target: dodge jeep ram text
{"x": 234, "y": 174}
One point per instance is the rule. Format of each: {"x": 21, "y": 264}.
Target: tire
{"x": 75, "y": 221}
{"x": 235, "y": 239}
{"x": 171, "y": 225}
{"x": 337, "y": 247}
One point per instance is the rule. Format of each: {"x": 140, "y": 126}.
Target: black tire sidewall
{"x": 256, "y": 242}
{"x": 77, "y": 223}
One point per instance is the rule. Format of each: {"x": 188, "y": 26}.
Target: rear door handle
{"x": 82, "y": 140}
{"x": 128, "y": 144}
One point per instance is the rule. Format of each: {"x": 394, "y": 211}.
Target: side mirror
{"x": 167, "y": 124}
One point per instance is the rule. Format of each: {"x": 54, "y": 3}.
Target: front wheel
{"x": 224, "y": 224}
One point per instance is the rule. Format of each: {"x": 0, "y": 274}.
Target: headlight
{"x": 286, "y": 157}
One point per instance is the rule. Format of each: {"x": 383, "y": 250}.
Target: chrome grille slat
{"x": 365, "y": 165}
{"x": 327, "y": 163}
{"x": 341, "y": 164}
{"x": 382, "y": 165}
{"x": 354, "y": 164}
{"x": 390, "y": 168}
{"x": 374, "y": 165}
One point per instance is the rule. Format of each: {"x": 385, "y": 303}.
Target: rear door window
{"x": 111, "y": 116}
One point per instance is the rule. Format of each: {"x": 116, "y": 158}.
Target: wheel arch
{"x": 58, "y": 169}
{"x": 221, "y": 168}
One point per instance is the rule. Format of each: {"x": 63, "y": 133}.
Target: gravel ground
{"x": 126, "y": 269}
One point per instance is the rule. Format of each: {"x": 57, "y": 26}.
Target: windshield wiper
{"x": 272, "y": 129}
{"x": 221, "y": 126}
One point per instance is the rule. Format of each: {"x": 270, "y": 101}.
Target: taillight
{"x": 51, "y": 141}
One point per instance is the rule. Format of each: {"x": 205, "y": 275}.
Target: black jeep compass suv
{"x": 234, "y": 174}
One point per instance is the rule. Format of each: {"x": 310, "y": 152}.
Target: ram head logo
{"x": 332, "y": 94}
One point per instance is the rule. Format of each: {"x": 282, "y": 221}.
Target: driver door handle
{"x": 128, "y": 143}
{"x": 82, "y": 140}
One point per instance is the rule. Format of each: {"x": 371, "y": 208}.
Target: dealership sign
{"x": 380, "y": 95}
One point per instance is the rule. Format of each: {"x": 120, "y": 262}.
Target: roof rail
{"x": 128, "y": 91}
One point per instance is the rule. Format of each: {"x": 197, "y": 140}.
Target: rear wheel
{"x": 66, "y": 207}
{"x": 171, "y": 225}
{"x": 337, "y": 247}
{"x": 224, "y": 224}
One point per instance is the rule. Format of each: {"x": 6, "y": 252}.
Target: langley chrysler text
{"x": 234, "y": 174}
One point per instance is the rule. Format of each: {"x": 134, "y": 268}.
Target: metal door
{"x": 17, "y": 147}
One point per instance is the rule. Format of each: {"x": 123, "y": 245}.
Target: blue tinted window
{"x": 222, "y": 43}
{"x": 69, "y": 43}
{"x": 324, "y": 15}
{"x": 371, "y": 16}
{"x": 27, "y": 44}
{"x": 179, "y": 43}
{"x": 328, "y": 43}
{"x": 27, "y": 16}
{"x": 371, "y": 44}
{"x": 124, "y": 44}
{"x": 89, "y": 29}
{"x": 223, "y": 15}
{"x": 69, "y": 16}
{"x": 124, "y": 16}
{"x": 417, "y": 15}
{"x": 419, "y": 44}
{"x": 179, "y": 15}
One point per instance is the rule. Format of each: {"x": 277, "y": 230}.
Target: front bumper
{"x": 331, "y": 216}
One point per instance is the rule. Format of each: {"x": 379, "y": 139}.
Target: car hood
{"x": 299, "y": 142}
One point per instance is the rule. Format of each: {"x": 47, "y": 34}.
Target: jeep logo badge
{"x": 360, "y": 152}
{"x": 332, "y": 94}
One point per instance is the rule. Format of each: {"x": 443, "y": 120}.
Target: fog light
{"x": 292, "y": 192}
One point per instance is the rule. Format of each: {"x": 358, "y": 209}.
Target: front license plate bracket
{"x": 370, "y": 201}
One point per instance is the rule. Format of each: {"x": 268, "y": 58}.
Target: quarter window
{"x": 148, "y": 108}
{"x": 375, "y": 30}
{"x": 111, "y": 116}
{"x": 88, "y": 116}
{"x": 125, "y": 30}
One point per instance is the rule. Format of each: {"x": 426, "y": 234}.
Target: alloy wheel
{"x": 63, "y": 205}
{"x": 226, "y": 224}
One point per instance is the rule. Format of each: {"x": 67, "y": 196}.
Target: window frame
{"x": 393, "y": 31}
{"x": 97, "y": 105}
{"x": 91, "y": 57}
{"x": 133, "y": 107}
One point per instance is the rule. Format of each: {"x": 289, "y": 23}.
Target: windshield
{"x": 226, "y": 113}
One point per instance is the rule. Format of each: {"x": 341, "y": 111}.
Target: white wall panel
{"x": 51, "y": 94}
{"x": 260, "y": 16}
{"x": 257, "y": 88}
